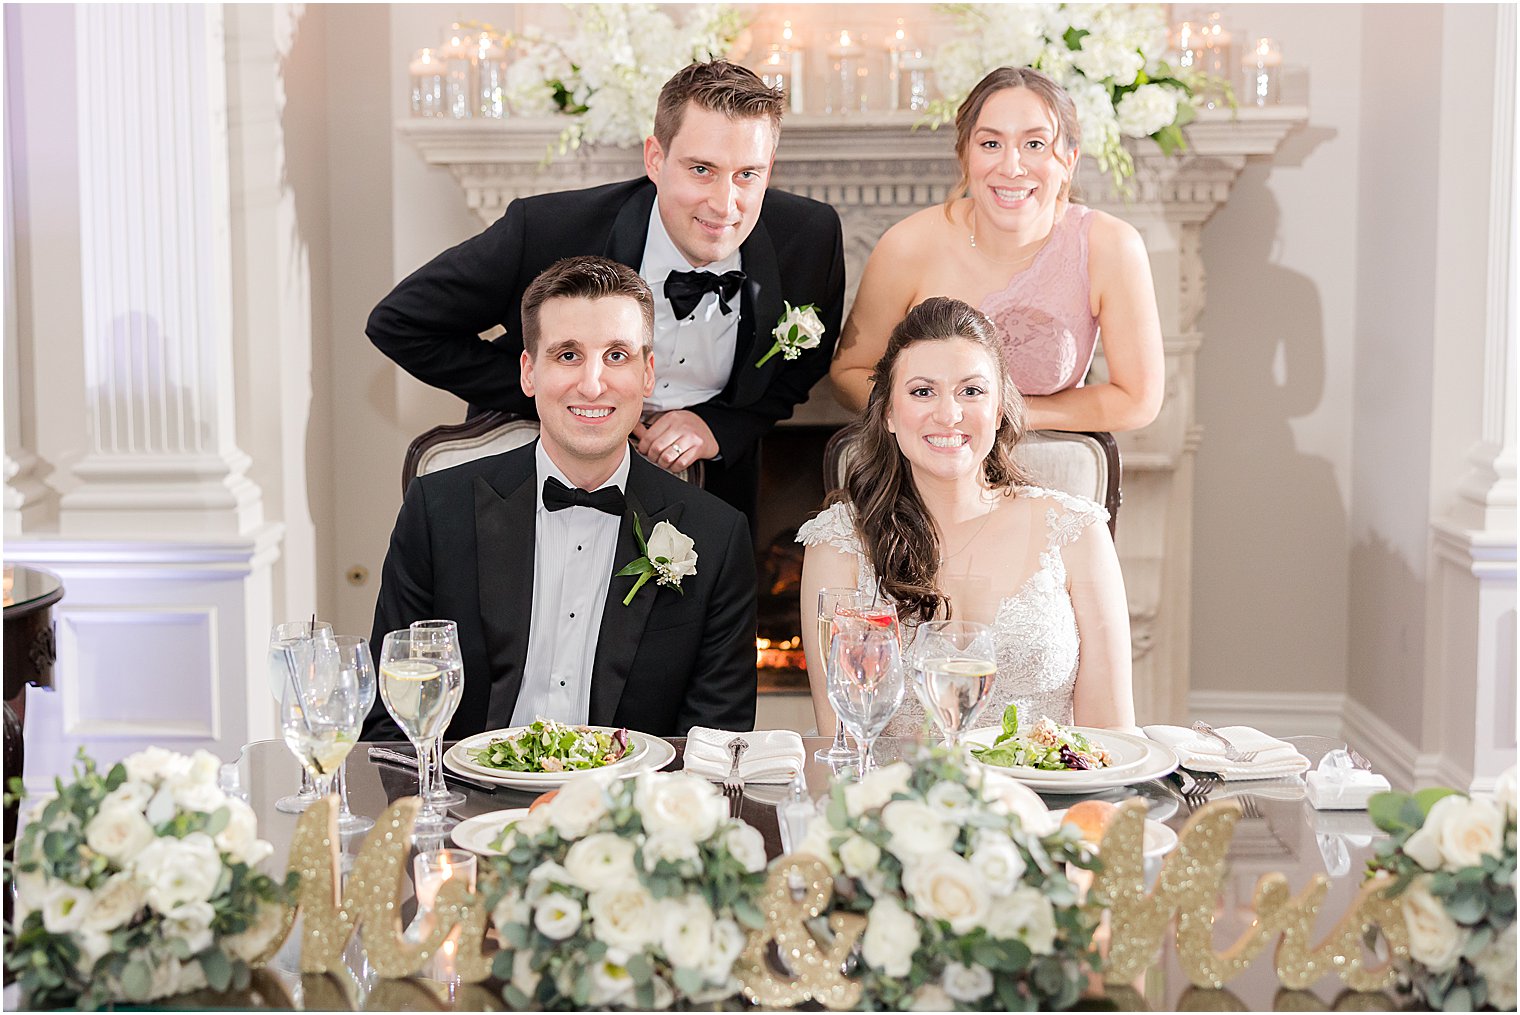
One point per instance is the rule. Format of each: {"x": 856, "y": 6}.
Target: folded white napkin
{"x": 774, "y": 756}
{"x": 1275, "y": 758}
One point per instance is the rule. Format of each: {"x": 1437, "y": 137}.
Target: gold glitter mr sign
{"x": 371, "y": 899}
{"x": 1188, "y": 887}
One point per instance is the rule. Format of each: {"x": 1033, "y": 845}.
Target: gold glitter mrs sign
{"x": 1189, "y": 887}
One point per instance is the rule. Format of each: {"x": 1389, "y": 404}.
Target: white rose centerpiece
{"x": 1452, "y": 857}
{"x": 645, "y": 905}
{"x": 140, "y": 883}
{"x": 961, "y": 899}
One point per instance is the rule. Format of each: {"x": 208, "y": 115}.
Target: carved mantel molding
{"x": 876, "y": 171}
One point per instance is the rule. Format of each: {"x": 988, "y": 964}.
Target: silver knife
{"x": 385, "y": 755}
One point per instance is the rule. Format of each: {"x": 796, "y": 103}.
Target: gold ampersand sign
{"x": 813, "y": 967}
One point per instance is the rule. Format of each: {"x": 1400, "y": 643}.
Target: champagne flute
{"x": 865, "y": 679}
{"x": 957, "y": 663}
{"x": 320, "y": 714}
{"x": 829, "y": 600}
{"x": 440, "y": 640}
{"x": 416, "y": 690}
{"x": 295, "y": 635}
{"x": 353, "y": 654}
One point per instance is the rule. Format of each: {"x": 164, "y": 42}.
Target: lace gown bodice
{"x": 1044, "y": 315}
{"x": 1035, "y": 628}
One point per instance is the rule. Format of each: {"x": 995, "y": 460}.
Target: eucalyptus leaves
{"x": 138, "y": 884}
{"x": 1453, "y": 856}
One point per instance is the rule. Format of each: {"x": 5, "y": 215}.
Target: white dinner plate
{"x": 1154, "y": 761}
{"x": 1159, "y": 839}
{"x": 645, "y": 753}
{"x": 477, "y": 833}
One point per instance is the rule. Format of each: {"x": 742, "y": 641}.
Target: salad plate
{"x": 1136, "y": 760}
{"x": 645, "y": 753}
{"x": 477, "y": 833}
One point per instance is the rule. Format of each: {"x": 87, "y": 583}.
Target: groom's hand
{"x": 676, "y": 439}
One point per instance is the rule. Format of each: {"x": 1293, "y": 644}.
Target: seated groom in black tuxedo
{"x": 722, "y": 254}
{"x": 522, "y": 549}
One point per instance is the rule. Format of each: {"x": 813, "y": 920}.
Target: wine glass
{"x": 865, "y": 678}
{"x": 420, "y": 693}
{"x": 440, "y": 639}
{"x": 353, "y": 654}
{"x": 295, "y": 636}
{"x": 956, "y": 662}
{"x": 320, "y": 714}
{"x": 829, "y": 600}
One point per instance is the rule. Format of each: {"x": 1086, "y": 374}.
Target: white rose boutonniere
{"x": 669, "y": 556}
{"x": 799, "y": 328}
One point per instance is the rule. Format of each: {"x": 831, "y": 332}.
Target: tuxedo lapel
{"x": 504, "y": 549}
{"x": 623, "y": 626}
{"x": 762, "y": 308}
{"x": 630, "y": 230}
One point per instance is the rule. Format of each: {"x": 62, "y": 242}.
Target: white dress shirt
{"x": 572, "y": 567}
{"x": 692, "y": 358}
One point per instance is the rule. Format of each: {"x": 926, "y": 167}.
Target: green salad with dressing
{"x": 1049, "y": 747}
{"x": 549, "y": 746}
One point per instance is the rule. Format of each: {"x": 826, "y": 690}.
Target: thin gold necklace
{"x": 985, "y": 519}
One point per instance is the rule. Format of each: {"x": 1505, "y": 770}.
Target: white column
{"x": 155, "y": 278}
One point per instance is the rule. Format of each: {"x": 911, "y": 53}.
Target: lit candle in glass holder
{"x": 490, "y": 75}
{"x": 1187, "y": 45}
{"x": 432, "y": 868}
{"x": 427, "y": 84}
{"x": 776, "y": 69}
{"x": 1216, "y": 42}
{"x": 1263, "y": 72}
{"x": 792, "y": 50}
{"x": 458, "y": 74}
{"x": 847, "y": 75}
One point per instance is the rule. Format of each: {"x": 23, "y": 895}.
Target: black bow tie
{"x": 558, "y": 496}
{"x": 685, "y": 289}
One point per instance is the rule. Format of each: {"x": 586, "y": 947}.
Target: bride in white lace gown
{"x": 933, "y": 494}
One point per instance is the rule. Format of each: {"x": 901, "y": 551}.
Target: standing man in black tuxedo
{"x": 720, "y": 253}
{"x": 521, "y": 549}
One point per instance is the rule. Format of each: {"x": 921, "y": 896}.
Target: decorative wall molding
{"x": 158, "y": 641}
{"x": 878, "y": 170}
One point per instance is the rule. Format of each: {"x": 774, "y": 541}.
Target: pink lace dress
{"x": 1044, "y": 317}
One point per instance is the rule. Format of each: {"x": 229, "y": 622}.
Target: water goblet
{"x": 441, "y": 638}
{"x": 421, "y": 693}
{"x": 956, "y": 664}
{"x": 353, "y": 654}
{"x": 296, "y": 636}
{"x": 320, "y": 714}
{"x": 865, "y": 679}
{"x": 829, "y": 600}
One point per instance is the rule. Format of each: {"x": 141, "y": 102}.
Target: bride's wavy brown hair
{"x": 894, "y": 526}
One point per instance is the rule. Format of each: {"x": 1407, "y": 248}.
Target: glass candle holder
{"x": 847, "y": 76}
{"x": 1187, "y": 45}
{"x": 427, "y": 84}
{"x": 1217, "y": 59}
{"x": 458, "y": 74}
{"x": 792, "y": 46}
{"x": 431, "y": 868}
{"x": 775, "y": 68}
{"x": 1262, "y": 65}
{"x": 490, "y": 76}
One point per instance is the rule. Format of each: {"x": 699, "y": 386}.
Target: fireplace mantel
{"x": 877, "y": 170}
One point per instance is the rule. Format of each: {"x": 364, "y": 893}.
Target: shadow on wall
{"x": 1269, "y": 595}
{"x": 1386, "y": 654}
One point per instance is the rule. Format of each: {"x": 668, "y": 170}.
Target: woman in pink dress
{"x": 1051, "y": 274}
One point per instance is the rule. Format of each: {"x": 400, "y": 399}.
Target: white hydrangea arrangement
{"x": 962, "y": 879}
{"x": 139, "y": 884}
{"x": 1108, "y": 57}
{"x": 636, "y": 893}
{"x": 608, "y": 73}
{"x": 1453, "y": 860}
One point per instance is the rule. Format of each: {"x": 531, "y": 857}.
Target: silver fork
{"x": 1231, "y": 752}
{"x": 733, "y": 783}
